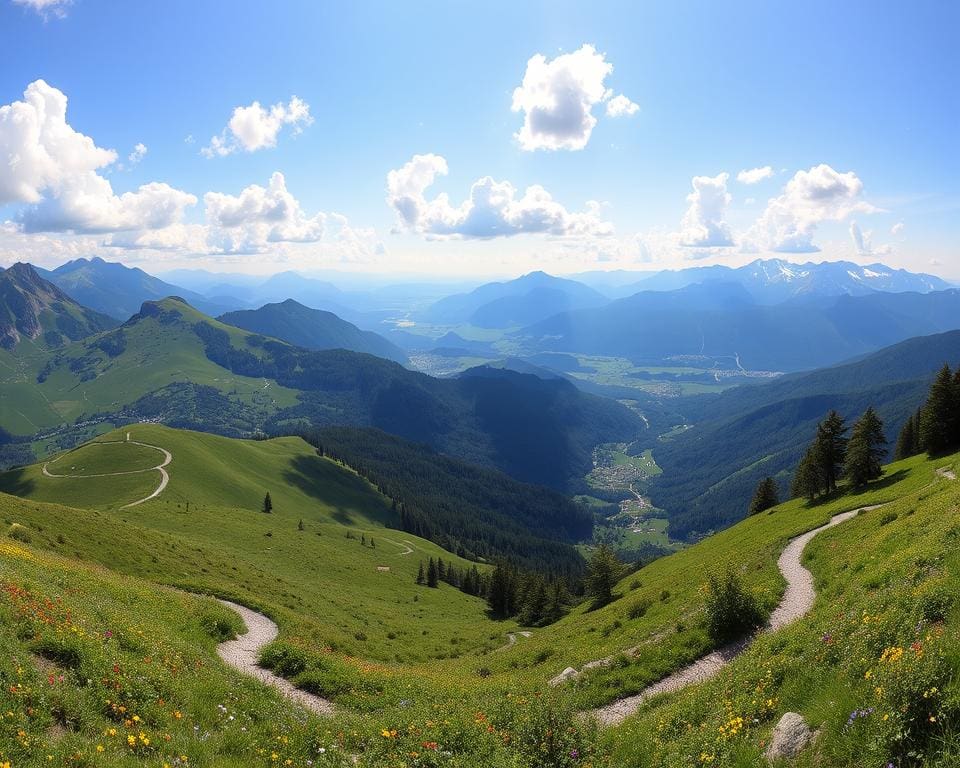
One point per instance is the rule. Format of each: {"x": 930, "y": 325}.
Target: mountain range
{"x": 771, "y": 281}
{"x": 32, "y": 309}
{"x": 714, "y": 320}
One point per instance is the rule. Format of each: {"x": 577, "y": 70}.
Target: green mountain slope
{"x": 33, "y": 310}
{"x": 117, "y": 290}
{"x": 173, "y": 364}
{"x": 748, "y": 433}
{"x": 872, "y": 665}
{"x": 312, "y": 329}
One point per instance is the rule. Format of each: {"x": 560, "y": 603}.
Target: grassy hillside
{"x": 173, "y": 364}
{"x": 751, "y": 432}
{"x": 206, "y": 532}
{"x": 426, "y": 667}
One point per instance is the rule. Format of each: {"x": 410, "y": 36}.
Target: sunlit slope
{"x": 102, "y": 669}
{"x": 204, "y": 469}
{"x": 873, "y": 666}
{"x": 344, "y": 580}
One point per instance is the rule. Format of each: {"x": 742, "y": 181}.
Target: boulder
{"x": 568, "y": 674}
{"x": 790, "y": 736}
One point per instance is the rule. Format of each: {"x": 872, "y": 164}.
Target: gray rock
{"x": 790, "y": 736}
{"x": 568, "y": 674}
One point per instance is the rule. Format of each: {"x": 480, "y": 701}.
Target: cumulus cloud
{"x": 704, "y": 224}
{"x": 897, "y": 228}
{"x": 620, "y": 105}
{"x": 557, "y": 97}
{"x": 493, "y": 209}
{"x": 790, "y": 221}
{"x": 54, "y": 169}
{"x": 139, "y": 152}
{"x": 46, "y": 8}
{"x": 258, "y": 216}
{"x": 755, "y": 175}
{"x": 254, "y": 127}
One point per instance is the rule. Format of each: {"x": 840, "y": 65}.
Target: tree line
{"x": 935, "y": 427}
{"x": 833, "y": 456}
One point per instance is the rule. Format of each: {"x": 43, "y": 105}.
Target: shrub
{"x": 639, "y": 608}
{"x": 888, "y": 517}
{"x": 19, "y": 533}
{"x": 731, "y": 610}
{"x": 283, "y": 659}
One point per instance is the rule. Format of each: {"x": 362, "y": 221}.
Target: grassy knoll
{"x": 342, "y": 582}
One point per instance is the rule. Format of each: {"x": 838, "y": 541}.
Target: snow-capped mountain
{"x": 771, "y": 281}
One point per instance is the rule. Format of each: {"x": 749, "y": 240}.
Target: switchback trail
{"x": 797, "y": 600}
{"x": 161, "y": 468}
{"x": 243, "y": 653}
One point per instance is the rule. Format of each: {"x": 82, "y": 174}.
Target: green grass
{"x": 206, "y": 533}
{"x": 424, "y": 662}
{"x": 882, "y": 639}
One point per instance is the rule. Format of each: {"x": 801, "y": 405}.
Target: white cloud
{"x": 47, "y": 8}
{"x": 248, "y": 222}
{"x": 53, "y": 168}
{"x": 557, "y": 98}
{"x": 494, "y": 208}
{"x": 755, "y": 175}
{"x": 139, "y": 152}
{"x": 897, "y": 228}
{"x": 863, "y": 243}
{"x": 704, "y": 224}
{"x": 254, "y": 127}
{"x": 620, "y": 105}
{"x": 789, "y": 223}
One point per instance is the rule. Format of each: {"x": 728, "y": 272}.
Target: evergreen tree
{"x": 765, "y": 496}
{"x": 432, "y": 580}
{"x": 603, "y": 572}
{"x": 300, "y": 525}
{"x": 421, "y": 576}
{"x": 556, "y": 601}
{"x": 267, "y": 504}
{"x": 938, "y": 418}
{"x": 866, "y": 449}
{"x": 906, "y": 440}
{"x": 501, "y": 595}
{"x": 534, "y": 606}
{"x": 830, "y": 451}
{"x": 441, "y": 569}
{"x": 807, "y": 481}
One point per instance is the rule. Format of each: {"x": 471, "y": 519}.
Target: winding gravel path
{"x": 243, "y": 654}
{"x": 797, "y": 600}
{"x": 161, "y": 468}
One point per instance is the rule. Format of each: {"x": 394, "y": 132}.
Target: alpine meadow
{"x": 444, "y": 385}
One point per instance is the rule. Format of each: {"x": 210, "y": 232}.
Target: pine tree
{"x": 906, "y": 440}
{"x": 267, "y": 504}
{"x": 421, "y": 576}
{"x": 866, "y": 449}
{"x": 501, "y": 593}
{"x": 938, "y": 418}
{"x": 555, "y": 603}
{"x": 432, "y": 580}
{"x": 765, "y": 496}
{"x": 807, "y": 481}
{"x": 300, "y": 525}
{"x": 603, "y": 572}
{"x": 441, "y": 569}
{"x": 535, "y": 602}
{"x": 831, "y": 447}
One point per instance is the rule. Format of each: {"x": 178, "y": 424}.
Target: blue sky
{"x": 858, "y": 98}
